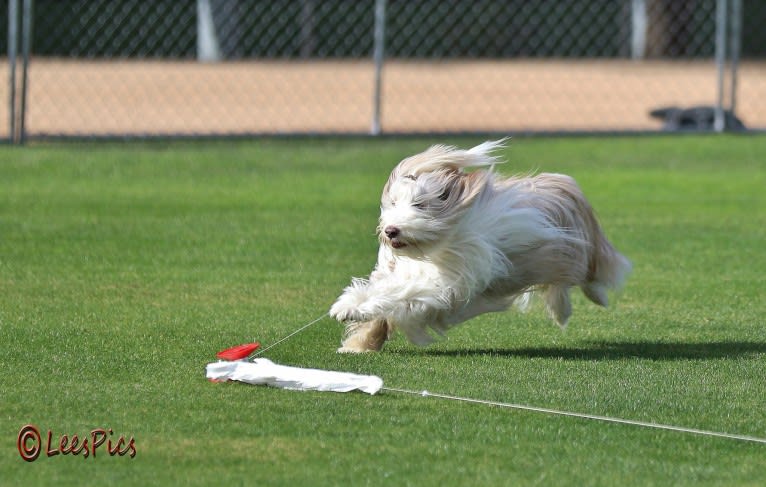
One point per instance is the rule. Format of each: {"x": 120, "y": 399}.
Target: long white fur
{"x": 467, "y": 243}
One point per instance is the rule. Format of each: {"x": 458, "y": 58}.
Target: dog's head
{"x": 428, "y": 193}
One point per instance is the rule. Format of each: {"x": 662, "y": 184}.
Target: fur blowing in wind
{"x": 458, "y": 240}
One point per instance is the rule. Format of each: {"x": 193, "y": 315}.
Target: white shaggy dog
{"x": 456, "y": 244}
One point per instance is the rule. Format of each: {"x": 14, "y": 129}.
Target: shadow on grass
{"x": 616, "y": 351}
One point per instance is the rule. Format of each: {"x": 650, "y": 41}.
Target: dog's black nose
{"x": 391, "y": 231}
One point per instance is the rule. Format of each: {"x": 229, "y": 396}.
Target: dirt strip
{"x": 159, "y": 97}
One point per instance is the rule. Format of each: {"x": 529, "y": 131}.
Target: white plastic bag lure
{"x": 263, "y": 371}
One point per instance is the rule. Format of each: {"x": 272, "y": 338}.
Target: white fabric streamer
{"x": 263, "y": 371}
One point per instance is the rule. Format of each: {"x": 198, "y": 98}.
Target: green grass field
{"x": 125, "y": 268}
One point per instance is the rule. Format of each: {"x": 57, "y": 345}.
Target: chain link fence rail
{"x": 216, "y": 67}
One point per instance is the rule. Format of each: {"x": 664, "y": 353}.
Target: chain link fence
{"x": 222, "y": 67}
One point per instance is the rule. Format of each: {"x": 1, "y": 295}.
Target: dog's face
{"x": 422, "y": 203}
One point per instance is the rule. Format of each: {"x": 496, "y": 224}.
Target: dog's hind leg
{"x": 368, "y": 336}
{"x": 596, "y": 292}
{"x": 608, "y": 269}
{"x": 558, "y": 304}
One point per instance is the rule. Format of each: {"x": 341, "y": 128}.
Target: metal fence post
{"x": 13, "y": 36}
{"x": 639, "y": 22}
{"x": 26, "y": 47}
{"x": 378, "y": 56}
{"x": 208, "y": 49}
{"x": 719, "y": 122}
{"x": 736, "y": 42}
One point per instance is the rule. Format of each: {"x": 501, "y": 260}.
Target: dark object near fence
{"x": 694, "y": 118}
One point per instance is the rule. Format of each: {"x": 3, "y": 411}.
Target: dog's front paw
{"x": 345, "y": 313}
{"x": 347, "y": 307}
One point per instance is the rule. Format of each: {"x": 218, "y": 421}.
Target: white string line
{"x": 522, "y": 407}
{"x": 259, "y": 352}
{"x": 609, "y": 419}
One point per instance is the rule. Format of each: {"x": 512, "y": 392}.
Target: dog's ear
{"x": 442, "y": 157}
{"x": 461, "y": 189}
{"x": 473, "y": 183}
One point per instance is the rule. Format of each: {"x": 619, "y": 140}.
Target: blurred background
{"x": 136, "y": 68}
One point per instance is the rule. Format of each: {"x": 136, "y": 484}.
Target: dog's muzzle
{"x": 393, "y": 233}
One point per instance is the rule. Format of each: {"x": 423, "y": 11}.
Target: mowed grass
{"x": 125, "y": 268}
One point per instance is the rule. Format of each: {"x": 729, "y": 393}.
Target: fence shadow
{"x": 649, "y": 350}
